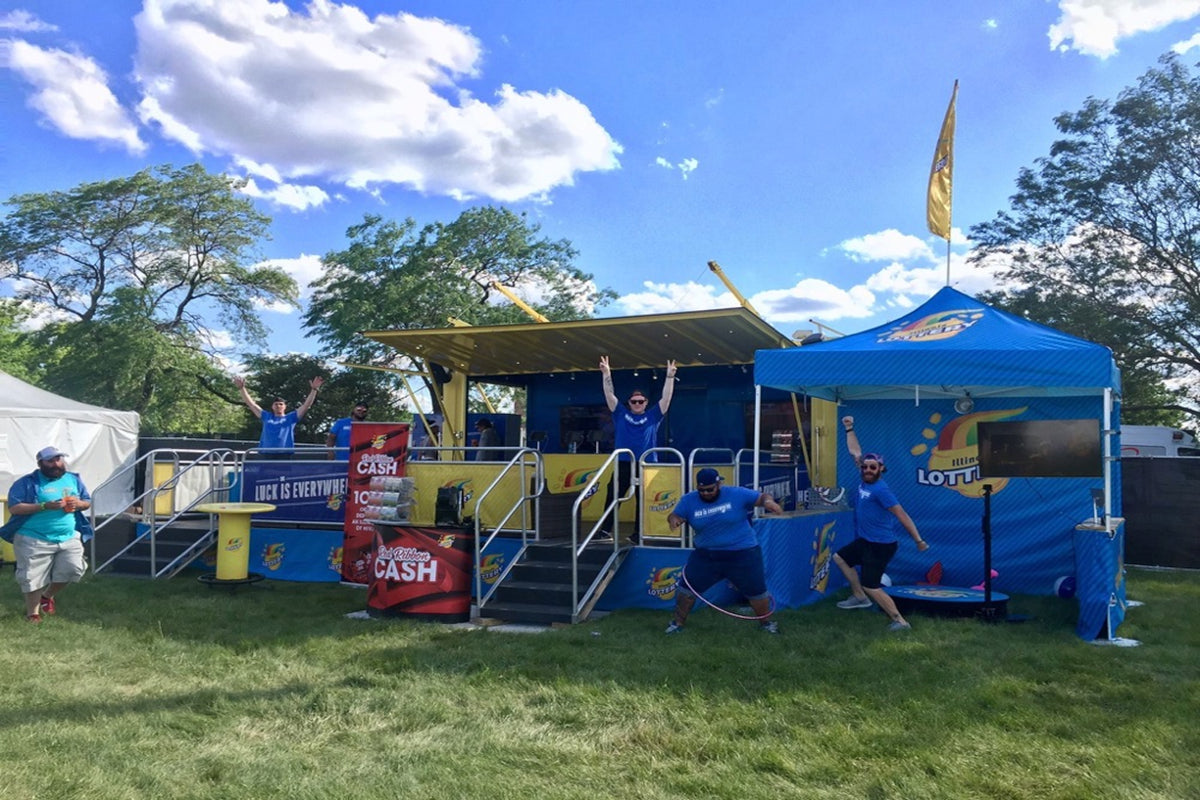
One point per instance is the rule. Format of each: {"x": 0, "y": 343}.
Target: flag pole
{"x": 938, "y": 202}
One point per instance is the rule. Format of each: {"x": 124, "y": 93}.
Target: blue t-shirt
{"x": 724, "y": 523}
{"x": 637, "y": 432}
{"x": 872, "y": 520}
{"x": 52, "y": 525}
{"x": 278, "y": 433}
{"x": 340, "y": 430}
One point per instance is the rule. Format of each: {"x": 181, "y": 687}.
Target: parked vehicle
{"x": 1157, "y": 441}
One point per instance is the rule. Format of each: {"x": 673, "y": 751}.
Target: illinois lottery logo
{"x": 378, "y": 442}
{"x": 335, "y": 559}
{"x": 663, "y": 501}
{"x": 272, "y": 556}
{"x": 933, "y": 328}
{"x": 954, "y": 455}
{"x": 490, "y": 567}
{"x": 334, "y": 503}
{"x": 663, "y": 582}
{"x": 577, "y": 478}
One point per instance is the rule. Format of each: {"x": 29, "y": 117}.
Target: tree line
{"x": 142, "y": 293}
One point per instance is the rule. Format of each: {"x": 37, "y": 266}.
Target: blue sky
{"x": 790, "y": 141}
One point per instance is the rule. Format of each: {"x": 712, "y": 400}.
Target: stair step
{"x": 530, "y": 613}
{"x": 555, "y": 595}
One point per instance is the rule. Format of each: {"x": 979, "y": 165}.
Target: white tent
{"x": 97, "y": 441}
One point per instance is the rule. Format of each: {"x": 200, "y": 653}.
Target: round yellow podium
{"x": 233, "y": 539}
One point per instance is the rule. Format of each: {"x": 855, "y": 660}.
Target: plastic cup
{"x": 68, "y": 503}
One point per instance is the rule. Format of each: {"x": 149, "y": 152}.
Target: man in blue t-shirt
{"x": 45, "y": 529}
{"x": 278, "y": 437}
{"x": 876, "y": 512}
{"x": 725, "y": 546}
{"x": 636, "y": 429}
{"x": 338, "y": 438}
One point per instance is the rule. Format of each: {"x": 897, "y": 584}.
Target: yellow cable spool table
{"x": 233, "y": 542}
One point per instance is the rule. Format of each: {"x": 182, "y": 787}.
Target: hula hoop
{"x": 715, "y": 607}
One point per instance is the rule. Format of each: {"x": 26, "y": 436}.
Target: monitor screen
{"x": 1042, "y": 448}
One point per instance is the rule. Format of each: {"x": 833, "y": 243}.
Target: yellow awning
{"x": 692, "y": 338}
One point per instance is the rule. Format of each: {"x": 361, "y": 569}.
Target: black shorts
{"x": 872, "y": 556}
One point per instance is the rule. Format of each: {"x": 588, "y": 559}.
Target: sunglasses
{"x": 637, "y": 401}
{"x": 872, "y": 467}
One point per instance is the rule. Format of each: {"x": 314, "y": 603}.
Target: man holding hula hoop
{"x": 876, "y": 511}
{"x": 726, "y": 547}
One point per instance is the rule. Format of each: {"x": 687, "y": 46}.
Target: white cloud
{"x": 331, "y": 93}
{"x": 887, "y": 246}
{"x": 289, "y": 195}
{"x": 71, "y": 91}
{"x": 669, "y": 298}
{"x": 1094, "y": 27}
{"x": 1186, "y": 44}
{"x": 304, "y": 269}
{"x": 21, "y": 20}
{"x": 685, "y": 167}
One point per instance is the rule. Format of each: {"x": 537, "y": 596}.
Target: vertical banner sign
{"x": 376, "y": 449}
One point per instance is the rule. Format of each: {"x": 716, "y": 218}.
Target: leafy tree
{"x": 288, "y": 376}
{"x": 1103, "y": 235}
{"x": 16, "y": 348}
{"x": 139, "y": 272}
{"x": 393, "y": 275}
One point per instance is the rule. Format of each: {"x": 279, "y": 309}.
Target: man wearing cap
{"x": 636, "y": 428}
{"x": 726, "y": 547}
{"x": 338, "y": 438}
{"x": 47, "y": 529}
{"x": 876, "y": 511}
{"x": 278, "y": 437}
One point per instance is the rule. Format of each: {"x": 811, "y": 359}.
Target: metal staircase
{"x": 558, "y": 576}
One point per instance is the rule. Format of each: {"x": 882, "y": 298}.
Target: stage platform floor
{"x": 947, "y": 601}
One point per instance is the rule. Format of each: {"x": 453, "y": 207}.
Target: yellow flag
{"x": 941, "y": 176}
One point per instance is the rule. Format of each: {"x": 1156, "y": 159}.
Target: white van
{"x": 1157, "y": 441}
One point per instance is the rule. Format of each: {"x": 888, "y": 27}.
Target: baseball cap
{"x": 47, "y": 453}
{"x": 707, "y": 477}
{"x": 361, "y": 404}
{"x": 872, "y": 457}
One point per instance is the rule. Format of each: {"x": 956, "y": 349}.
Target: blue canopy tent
{"x": 919, "y": 385}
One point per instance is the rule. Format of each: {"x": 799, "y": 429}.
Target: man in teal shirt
{"x": 46, "y": 528}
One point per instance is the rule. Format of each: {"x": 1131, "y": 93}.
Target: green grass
{"x": 172, "y": 689}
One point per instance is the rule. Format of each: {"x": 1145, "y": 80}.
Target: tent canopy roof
{"x": 950, "y": 346}
{"x": 693, "y": 338}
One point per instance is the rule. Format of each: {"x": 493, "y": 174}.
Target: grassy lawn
{"x": 172, "y": 689}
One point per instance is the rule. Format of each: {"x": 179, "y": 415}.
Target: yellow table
{"x": 233, "y": 536}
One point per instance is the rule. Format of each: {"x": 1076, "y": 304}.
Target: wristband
{"x": 850, "y": 429}
{"x": 44, "y": 506}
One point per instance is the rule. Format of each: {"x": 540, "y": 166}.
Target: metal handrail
{"x": 518, "y": 461}
{"x": 216, "y": 458}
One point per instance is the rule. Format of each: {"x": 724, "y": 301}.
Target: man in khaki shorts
{"x": 47, "y": 529}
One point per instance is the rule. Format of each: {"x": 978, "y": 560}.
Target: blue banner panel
{"x": 284, "y": 554}
{"x": 932, "y": 458}
{"x": 301, "y": 491}
{"x": 1099, "y": 580}
{"x": 797, "y": 557}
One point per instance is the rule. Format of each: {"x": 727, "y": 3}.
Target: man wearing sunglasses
{"x": 876, "y": 512}
{"x": 636, "y": 427}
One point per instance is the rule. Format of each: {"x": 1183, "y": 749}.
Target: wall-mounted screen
{"x": 1040, "y": 448}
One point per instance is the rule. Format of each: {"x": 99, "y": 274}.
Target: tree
{"x": 288, "y": 376}
{"x": 148, "y": 278}
{"x": 1103, "y": 235}
{"x": 394, "y": 276}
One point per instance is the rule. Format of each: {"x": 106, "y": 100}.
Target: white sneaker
{"x": 855, "y": 602}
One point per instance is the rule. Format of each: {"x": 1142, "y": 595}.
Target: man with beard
{"x": 338, "y": 438}
{"x": 876, "y": 511}
{"x": 726, "y": 547}
{"x": 47, "y": 530}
